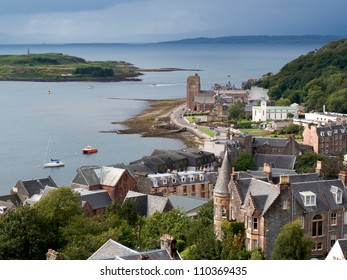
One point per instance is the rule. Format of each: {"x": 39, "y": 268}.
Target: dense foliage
{"x": 331, "y": 166}
{"x": 315, "y": 79}
{"x": 58, "y": 222}
{"x": 292, "y": 243}
{"x": 244, "y": 162}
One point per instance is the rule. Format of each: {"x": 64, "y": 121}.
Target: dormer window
{"x": 155, "y": 182}
{"x": 322, "y": 133}
{"x": 173, "y": 180}
{"x": 164, "y": 181}
{"x": 191, "y": 178}
{"x": 201, "y": 177}
{"x": 309, "y": 198}
{"x": 329, "y": 133}
{"x": 337, "y": 194}
{"x": 183, "y": 179}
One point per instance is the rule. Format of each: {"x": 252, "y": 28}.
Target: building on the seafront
{"x": 219, "y": 98}
{"x": 266, "y": 204}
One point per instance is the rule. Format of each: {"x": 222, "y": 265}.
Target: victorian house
{"x": 266, "y": 204}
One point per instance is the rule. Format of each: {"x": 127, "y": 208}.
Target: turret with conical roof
{"x": 221, "y": 196}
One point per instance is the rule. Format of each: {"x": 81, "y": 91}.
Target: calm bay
{"x": 73, "y": 114}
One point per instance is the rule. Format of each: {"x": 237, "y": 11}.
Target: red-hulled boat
{"x": 89, "y": 150}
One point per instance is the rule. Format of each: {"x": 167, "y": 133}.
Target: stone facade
{"x": 330, "y": 139}
{"x": 266, "y": 205}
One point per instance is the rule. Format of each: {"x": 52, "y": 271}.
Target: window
{"x": 332, "y": 240}
{"x": 318, "y": 246}
{"x": 333, "y": 219}
{"x": 224, "y": 212}
{"x": 309, "y": 198}
{"x": 337, "y": 194}
{"x": 173, "y": 180}
{"x": 255, "y": 223}
{"x": 302, "y": 221}
{"x": 317, "y": 226}
{"x": 285, "y": 204}
{"x": 255, "y": 244}
{"x": 345, "y": 218}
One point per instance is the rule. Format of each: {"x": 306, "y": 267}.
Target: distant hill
{"x": 315, "y": 79}
{"x": 322, "y": 39}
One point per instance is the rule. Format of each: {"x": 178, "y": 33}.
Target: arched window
{"x": 317, "y": 226}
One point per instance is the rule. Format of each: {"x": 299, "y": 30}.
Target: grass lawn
{"x": 209, "y": 132}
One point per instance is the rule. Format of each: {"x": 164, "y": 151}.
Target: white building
{"x": 338, "y": 251}
{"x": 263, "y": 112}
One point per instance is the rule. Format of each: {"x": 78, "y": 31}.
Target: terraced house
{"x": 265, "y": 205}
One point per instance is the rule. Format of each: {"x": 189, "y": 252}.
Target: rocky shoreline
{"x": 154, "y": 121}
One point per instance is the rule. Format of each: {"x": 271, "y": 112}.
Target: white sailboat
{"x": 53, "y": 162}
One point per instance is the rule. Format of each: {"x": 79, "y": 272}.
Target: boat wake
{"x": 164, "y": 85}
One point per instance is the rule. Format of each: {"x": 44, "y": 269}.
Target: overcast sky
{"x": 86, "y": 21}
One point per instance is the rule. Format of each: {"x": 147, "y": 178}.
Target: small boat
{"x": 153, "y": 85}
{"x": 54, "y": 163}
{"x": 90, "y": 87}
{"x": 89, "y": 150}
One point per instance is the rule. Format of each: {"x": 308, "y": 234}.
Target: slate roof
{"x": 276, "y": 161}
{"x": 187, "y": 203}
{"x": 36, "y": 197}
{"x": 110, "y": 250}
{"x": 262, "y": 193}
{"x": 96, "y": 175}
{"x": 224, "y": 176}
{"x": 12, "y": 198}
{"x": 97, "y": 199}
{"x": 148, "y": 204}
{"x": 138, "y": 168}
{"x": 324, "y": 198}
{"x": 273, "y": 142}
{"x": 110, "y": 175}
{"x": 158, "y": 254}
{"x": 343, "y": 245}
{"x": 331, "y": 130}
{"x": 37, "y": 185}
{"x": 113, "y": 250}
{"x": 87, "y": 176}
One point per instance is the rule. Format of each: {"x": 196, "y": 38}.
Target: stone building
{"x": 265, "y": 205}
{"x": 329, "y": 139}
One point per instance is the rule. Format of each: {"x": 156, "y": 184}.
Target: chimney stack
{"x": 268, "y": 171}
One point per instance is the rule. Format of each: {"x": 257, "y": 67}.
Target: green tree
{"x": 292, "y": 243}
{"x": 283, "y": 102}
{"x": 56, "y": 209}
{"x": 236, "y": 111}
{"x": 337, "y": 102}
{"x": 244, "y": 162}
{"x": 201, "y": 241}
{"x": 306, "y": 162}
{"x": 233, "y": 240}
{"x": 23, "y": 235}
{"x": 275, "y": 92}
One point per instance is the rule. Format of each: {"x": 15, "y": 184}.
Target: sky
{"x": 143, "y": 21}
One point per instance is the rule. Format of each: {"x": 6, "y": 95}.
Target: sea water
{"x": 73, "y": 114}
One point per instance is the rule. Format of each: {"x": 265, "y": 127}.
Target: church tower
{"x": 221, "y": 196}
{"x": 193, "y": 89}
